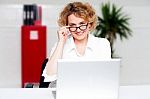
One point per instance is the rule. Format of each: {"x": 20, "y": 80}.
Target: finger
{"x": 64, "y": 27}
{"x": 67, "y": 32}
{"x": 63, "y": 31}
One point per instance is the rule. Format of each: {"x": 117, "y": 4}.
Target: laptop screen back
{"x": 88, "y": 79}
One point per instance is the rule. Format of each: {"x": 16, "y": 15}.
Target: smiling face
{"x": 78, "y": 27}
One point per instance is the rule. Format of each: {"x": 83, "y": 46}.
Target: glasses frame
{"x": 78, "y": 27}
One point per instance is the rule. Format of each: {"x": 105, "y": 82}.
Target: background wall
{"x": 134, "y": 51}
{"x": 61, "y": 2}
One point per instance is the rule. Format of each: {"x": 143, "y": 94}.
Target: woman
{"x": 76, "y": 21}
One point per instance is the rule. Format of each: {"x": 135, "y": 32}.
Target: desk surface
{"x": 26, "y": 93}
{"x": 134, "y": 92}
{"x": 126, "y": 92}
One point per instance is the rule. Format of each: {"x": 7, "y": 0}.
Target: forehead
{"x": 74, "y": 19}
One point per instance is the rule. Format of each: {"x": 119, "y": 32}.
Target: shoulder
{"x": 97, "y": 40}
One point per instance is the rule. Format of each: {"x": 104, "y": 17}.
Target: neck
{"x": 81, "y": 45}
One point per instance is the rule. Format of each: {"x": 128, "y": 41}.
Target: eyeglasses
{"x": 81, "y": 27}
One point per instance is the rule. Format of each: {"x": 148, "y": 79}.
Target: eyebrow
{"x": 71, "y": 24}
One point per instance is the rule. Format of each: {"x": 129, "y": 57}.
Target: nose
{"x": 78, "y": 30}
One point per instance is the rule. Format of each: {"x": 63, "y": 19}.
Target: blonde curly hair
{"x": 79, "y": 9}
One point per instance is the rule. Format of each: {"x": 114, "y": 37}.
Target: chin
{"x": 79, "y": 38}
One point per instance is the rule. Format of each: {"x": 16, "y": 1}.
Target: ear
{"x": 89, "y": 26}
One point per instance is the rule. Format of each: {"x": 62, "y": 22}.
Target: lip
{"x": 79, "y": 33}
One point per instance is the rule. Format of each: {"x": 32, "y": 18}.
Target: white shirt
{"x": 97, "y": 48}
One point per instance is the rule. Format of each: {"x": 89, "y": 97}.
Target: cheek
{"x": 86, "y": 31}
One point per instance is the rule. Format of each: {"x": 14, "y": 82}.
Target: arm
{"x": 51, "y": 66}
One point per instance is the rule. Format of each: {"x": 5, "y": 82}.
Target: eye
{"x": 83, "y": 23}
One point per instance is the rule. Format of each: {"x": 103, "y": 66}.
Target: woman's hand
{"x": 62, "y": 34}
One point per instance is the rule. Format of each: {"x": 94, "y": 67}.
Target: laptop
{"x": 88, "y": 79}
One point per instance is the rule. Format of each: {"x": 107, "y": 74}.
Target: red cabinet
{"x": 33, "y": 52}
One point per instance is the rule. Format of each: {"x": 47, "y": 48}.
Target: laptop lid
{"x": 88, "y": 79}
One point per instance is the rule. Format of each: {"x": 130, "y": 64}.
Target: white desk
{"x": 135, "y": 92}
{"x": 126, "y": 92}
{"x": 26, "y": 93}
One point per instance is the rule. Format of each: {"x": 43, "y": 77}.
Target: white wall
{"x": 134, "y": 52}
{"x": 10, "y": 46}
{"x": 62, "y": 2}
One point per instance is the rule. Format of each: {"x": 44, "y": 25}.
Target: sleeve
{"x": 48, "y": 78}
